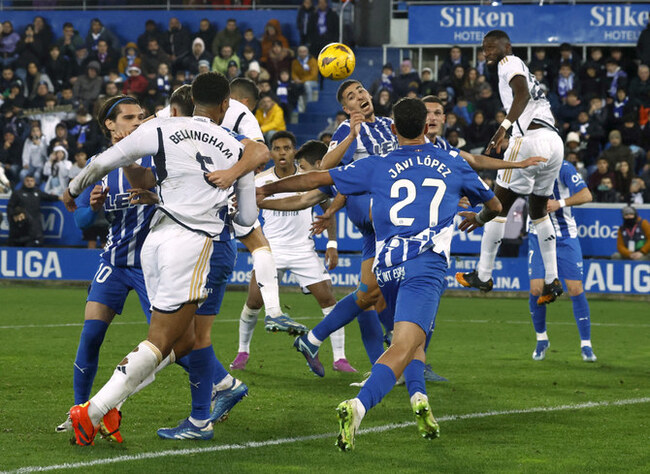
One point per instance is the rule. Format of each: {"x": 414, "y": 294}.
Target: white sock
{"x": 337, "y": 338}
{"x": 266, "y": 275}
{"x": 313, "y": 339}
{"x": 585, "y": 343}
{"x": 360, "y": 410}
{"x": 247, "y": 322}
{"x": 492, "y": 236}
{"x": 170, "y": 359}
{"x": 198, "y": 423}
{"x": 136, "y": 366}
{"x": 541, "y": 336}
{"x": 417, "y": 395}
{"x": 546, "y": 238}
{"x": 225, "y": 383}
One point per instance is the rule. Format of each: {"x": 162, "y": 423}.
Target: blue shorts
{"x": 413, "y": 289}
{"x": 222, "y": 264}
{"x": 111, "y": 286}
{"x": 369, "y": 244}
{"x": 569, "y": 259}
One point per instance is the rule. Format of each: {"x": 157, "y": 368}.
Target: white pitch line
{"x": 275, "y": 442}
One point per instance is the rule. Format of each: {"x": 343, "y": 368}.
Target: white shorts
{"x": 303, "y": 263}
{"x": 175, "y": 264}
{"x": 241, "y": 231}
{"x": 538, "y": 179}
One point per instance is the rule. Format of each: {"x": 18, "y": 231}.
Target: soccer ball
{"x": 336, "y": 61}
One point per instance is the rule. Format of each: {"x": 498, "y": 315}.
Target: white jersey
{"x": 538, "y": 109}
{"x": 285, "y": 229}
{"x": 184, "y": 149}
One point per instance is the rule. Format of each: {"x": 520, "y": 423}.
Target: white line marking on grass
{"x": 551, "y": 323}
{"x": 275, "y": 442}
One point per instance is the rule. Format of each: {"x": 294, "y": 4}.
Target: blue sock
{"x": 184, "y": 362}
{"x": 344, "y": 312}
{"x": 381, "y": 381}
{"x": 581, "y": 313}
{"x": 219, "y": 371}
{"x": 387, "y": 320}
{"x": 85, "y": 364}
{"x": 537, "y": 313}
{"x": 371, "y": 334}
{"x": 201, "y": 377}
{"x": 414, "y": 377}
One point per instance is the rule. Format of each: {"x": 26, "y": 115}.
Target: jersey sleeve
{"x": 250, "y": 128}
{"x": 164, "y": 113}
{"x": 341, "y": 134}
{"x": 237, "y": 136}
{"x": 356, "y": 177}
{"x": 474, "y": 187}
{"x": 328, "y": 190}
{"x": 570, "y": 177}
{"x": 510, "y": 67}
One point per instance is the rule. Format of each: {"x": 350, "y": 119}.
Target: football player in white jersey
{"x": 177, "y": 250}
{"x": 533, "y": 133}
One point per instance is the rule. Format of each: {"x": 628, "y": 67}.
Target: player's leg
{"x": 247, "y": 322}
{"x": 537, "y": 311}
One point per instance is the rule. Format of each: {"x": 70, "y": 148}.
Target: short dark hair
{"x": 67, "y": 24}
{"x": 182, "y": 98}
{"x": 410, "y": 117}
{"x": 432, "y": 99}
{"x": 312, "y": 151}
{"x": 210, "y": 88}
{"x": 497, "y": 35}
{"x": 110, "y": 109}
{"x": 283, "y": 134}
{"x": 245, "y": 87}
{"x": 343, "y": 87}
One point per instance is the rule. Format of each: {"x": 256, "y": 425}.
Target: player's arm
{"x": 300, "y": 182}
{"x": 322, "y": 223}
{"x": 521, "y": 96}
{"x": 255, "y": 154}
{"x": 482, "y": 162}
{"x": 334, "y": 156}
{"x": 139, "y": 176}
{"x": 581, "y": 197}
{"x": 246, "y": 206}
{"x": 88, "y": 205}
{"x": 473, "y": 220}
{"x": 295, "y": 203}
{"x": 331, "y": 252}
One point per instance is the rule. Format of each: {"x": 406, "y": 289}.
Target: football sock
{"x": 199, "y": 423}
{"x": 537, "y": 313}
{"x": 344, "y": 312}
{"x": 225, "y": 382}
{"x": 134, "y": 368}
{"x": 313, "y": 339}
{"x": 247, "y": 322}
{"x": 220, "y": 371}
{"x": 266, "y": 275}
{"x": 170, "y": 359}
{"x": 372, "y": 335}
{"x": 386, "y": 319}
{"x": 337, "y": 338}
{"x": 492, "y": 236}
{"x": 381, "y": 381}
{"x": 202, "y": 366}
{"x": 85, "y": 364}
{"x": 183, "y": 362}
{"x": 414, "y": 377}
{"x": 547, "y": 241}
{"x": 582, "y": 316}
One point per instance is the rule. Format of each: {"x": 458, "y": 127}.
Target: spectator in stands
{"x": 454, "y": 139}
{"x": 323, "y": 27}
{"x": 270, "y": 117}
{"x": 481, "y": 63}
{"x": 616, "y": 152}
{"x": 105, "y": 56}
{"x": 640, "y": 87}
{"x": 48, "y": 114}
{"x": 79, "y": 64}
{"x": 131, "y": 57}
{"x": 288, "y": 93}
{"x": 627, "y": 65}
{"x": 60, "y": 138}
{"x": 11, "y": 156}
{"x": 606, "y": 193}
{"x": 623, "y": 178}
{"x": 448, "y": 104}
{"x": 615, "y": 77}
{"x": 162, "y": 83}
{"x": 385, "y": 81}
{"x": 33, "y": 78}
{"x": 273, "y": 32}
{"x": 302, "y": 20}
{"x": 470, "y": 85}
{"x": 602, "y": 171}
{"x": 572, "y": 143}
{"x": 178, "y": 41}
{"x": 256, "y": 73}
{"x": 24, "y": 214}
{"x": 453, "y": 124}
{"x": 487, "y": 101}
{"x": 66, "y": 97}
{"x": 428, "y": 85}
{"x": 630, "y": 131}
{"x": 70, "y": 41}
{"x": 88, "y": 87}
{"x": 454, "y": 83}
{"x": 334, "y": 124}
{"x": 621, "y": 107}
{"x": 569, "y": 55}
{"x": 643, "y": 45}
{"x": 190, "y": 62}
{"x": 455, "y": 59}
{"x": 7, "y": 79}
{"x": 633, "y": 239}
{"x": 80, "y": 159}
{"x": 382, "y": 103}
{"x": 478, "y": 133}
{"x": 593, "y": 83}
{"x": 84, "y": 133}
{"x": 8, "y": 41}
{"x": 153, "y": 56}
{"x": 56, "y": 171}
{"x": 591, "y": 133}
{"x": 229, "y": 36}
{"x": 247, "y": 58}
{"x": 573, "y": 157}
{"x": 220, "y": 62}
{"x": 279, "y": 58}
{"x": 233, "y": 70}
{"x": 251, "y": 42}
{"x": 136, "y": 84}
{"x": 408, "y": 78}
{"x": 566, "y": 81}
{"x": 29, "y": 50}
{"x": 569, "y": 110}
{"x": 43, "y": 35}
{"x": 57, "y": 67}
{"x": 99, "y": 32}
{"x": 598, "y": 112}
{"x": 463, "y": 111}
{"x": 204, "y": 66}
{"x": 206, "y": 32}
{"x": 34, "y": 155}
{"x": 637, "y": 193}
{"x": 325, "y": 137}
{"x": 304, "y": 70}
{"x": 542, "y": 62}
{"x": 151, "y": 32}
{"x": 14, "y": 102}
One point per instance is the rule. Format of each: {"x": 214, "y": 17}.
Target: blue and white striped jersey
{"x": 375, "y": 138}
{"x": 444, "y": 145}
{"x": 129, "y": 224}
{"x": 568, "y": 183}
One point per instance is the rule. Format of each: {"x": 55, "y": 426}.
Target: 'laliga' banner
{"x": 528, "y": 24}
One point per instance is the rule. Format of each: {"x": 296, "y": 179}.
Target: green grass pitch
{"x": 521, "y": 415}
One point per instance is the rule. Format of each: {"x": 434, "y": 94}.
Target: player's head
{"x": 435, "y": 116}
{"x": 283, "y": 149}
{"x": 410, "y": 117}
{"x": 210, "y": 93}
{"x": 496, "y": 45}
{"x": 353, "y": 97}
{"x": 119, "y": 116}
{"x": 181, "y": 103}
{"x": 310, "y": 155}
{"x": 245, "y": 91}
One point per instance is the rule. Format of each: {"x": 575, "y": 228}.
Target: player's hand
{"x": 532, "y": 161}
{"x": 497, "y": 142}
{"x": 464, "y": 202}
{"x": 355, "y": 123}
{"x": 222, "y": 178}
{"x": 119, "y": 135}
{"x": 98, "y": 197}
{"x": 68, "y": 200}
{"x": 552, "y": 205}
{"x": 320, "y": 224}
{"x": 331, "y": 258}
{"x": 469, "y": 222}
{"x": 142, "y": 197}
